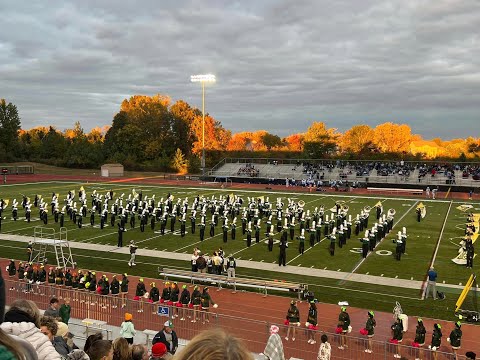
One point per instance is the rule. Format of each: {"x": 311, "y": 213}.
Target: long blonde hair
{"x": 11, "y": 345}
{"x": 215, "y": 345}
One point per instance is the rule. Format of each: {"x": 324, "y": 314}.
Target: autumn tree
{"x": 358, "y": 139}
{"x": 392, "y": 138}
{"x": 178, "y": 162}
{"x": 294, "y": 142}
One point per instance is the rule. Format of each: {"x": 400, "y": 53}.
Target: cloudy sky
{"x": 279, "y": 64}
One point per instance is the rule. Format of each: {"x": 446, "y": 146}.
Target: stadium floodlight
{"x": 204, "y": 78}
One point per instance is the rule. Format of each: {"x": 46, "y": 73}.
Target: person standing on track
{"x": 312, "y": 321}
{"x": 184, "y": 301}
{"x": 455, "y": 338}
{"x": 293, "y": 319}
{"x": 420, "y": 332}
{"x": 436, "y": 340}
{"x": 343, "y": 323}
{"x": 370, "y": 327}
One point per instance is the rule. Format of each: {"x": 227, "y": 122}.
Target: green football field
{"x": 443, "y": 226}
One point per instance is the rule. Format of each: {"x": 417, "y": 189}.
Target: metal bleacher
{"x": 293, "y": 169}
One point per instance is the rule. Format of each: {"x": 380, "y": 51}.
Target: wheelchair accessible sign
{"x": 163, "y": 311}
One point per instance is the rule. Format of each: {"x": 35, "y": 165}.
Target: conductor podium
{"x": 48, "y": 242}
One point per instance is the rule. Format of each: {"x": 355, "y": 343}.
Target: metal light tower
{"x": 206, "y": 78}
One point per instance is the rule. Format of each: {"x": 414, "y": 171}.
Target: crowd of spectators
{"x": 312, "y": 172}
{"x": 248, "y": 170}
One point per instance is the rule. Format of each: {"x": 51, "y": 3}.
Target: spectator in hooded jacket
{"x": 23, "y": 320}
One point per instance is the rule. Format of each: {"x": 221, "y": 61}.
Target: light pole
{"x": 206, "y": 78}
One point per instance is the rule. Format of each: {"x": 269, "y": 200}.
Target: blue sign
{"x": 164, "y": 311}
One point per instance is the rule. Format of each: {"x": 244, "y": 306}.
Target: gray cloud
{"x": 280, "y": 64}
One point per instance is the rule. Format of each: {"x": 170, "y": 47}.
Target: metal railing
{"x": 110, "y": 310}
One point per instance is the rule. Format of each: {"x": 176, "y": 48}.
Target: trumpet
{"x": 391, "y": 212}
{"x": 367, "y": 209}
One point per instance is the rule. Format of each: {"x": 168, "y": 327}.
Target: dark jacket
{"x": 60, "y": 346}
{"x": 456, "y": 337}
{"x": 420, "y": 334}
{"x": 436, "y": 337}
{"x": 370, "y": 325}
{"x": 185, "y": 297}
{"x": 160, "y": 337}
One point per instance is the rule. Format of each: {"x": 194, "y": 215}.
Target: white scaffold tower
{"x": 47, "y": 238}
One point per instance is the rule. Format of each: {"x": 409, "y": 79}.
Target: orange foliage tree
{"x": 393, "y": 138}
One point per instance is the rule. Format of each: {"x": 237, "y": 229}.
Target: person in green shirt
{"x": 65, "y": 311}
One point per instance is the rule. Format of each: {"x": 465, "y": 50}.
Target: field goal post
{"x": 44, "y": 239}
{"x": 468, "y": 309}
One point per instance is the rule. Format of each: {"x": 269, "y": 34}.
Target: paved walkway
{"x": 296, "y": 270}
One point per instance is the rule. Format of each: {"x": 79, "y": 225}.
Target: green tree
{"x": 9, "y": 127}
{"x": 319, "y": 141}
{"x": 271, "y": 141}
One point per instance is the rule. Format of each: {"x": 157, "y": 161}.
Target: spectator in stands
{"x": 159, "y": 352}
{"x": 325, "y": 350}
{"x": 23, "y": 320}
{"x": 101, "y": 350}
{"x": 471, "y": 355}
{"x": 53, "y": 309}
{"x": 49, "y": 327}
{"x": 127, "y": 330}
{"x": 11, "y": 348}
{"x": 214, "y": 345}
{"x": 91, "y": 339}
{"x": 139, "y": 352}
{"x": 274, "y": 348}
{"x": 121, "y": 350}
{"x": 65, "y": 311}
{"x": 168, "y": 337}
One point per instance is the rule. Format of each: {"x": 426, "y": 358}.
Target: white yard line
{"x": 436, "y": 250}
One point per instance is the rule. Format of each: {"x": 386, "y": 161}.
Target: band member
{"x": 202, "y": 229}
{"x": 301, "y": 245}
{"x": 270, "y": 241}
{"x": 249, "y": 234}
{"x": 282, "y": 258}
{"x": 121, "y": 230}
{"x": 233, "y": 226}
{"x": 365, "y": 244}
